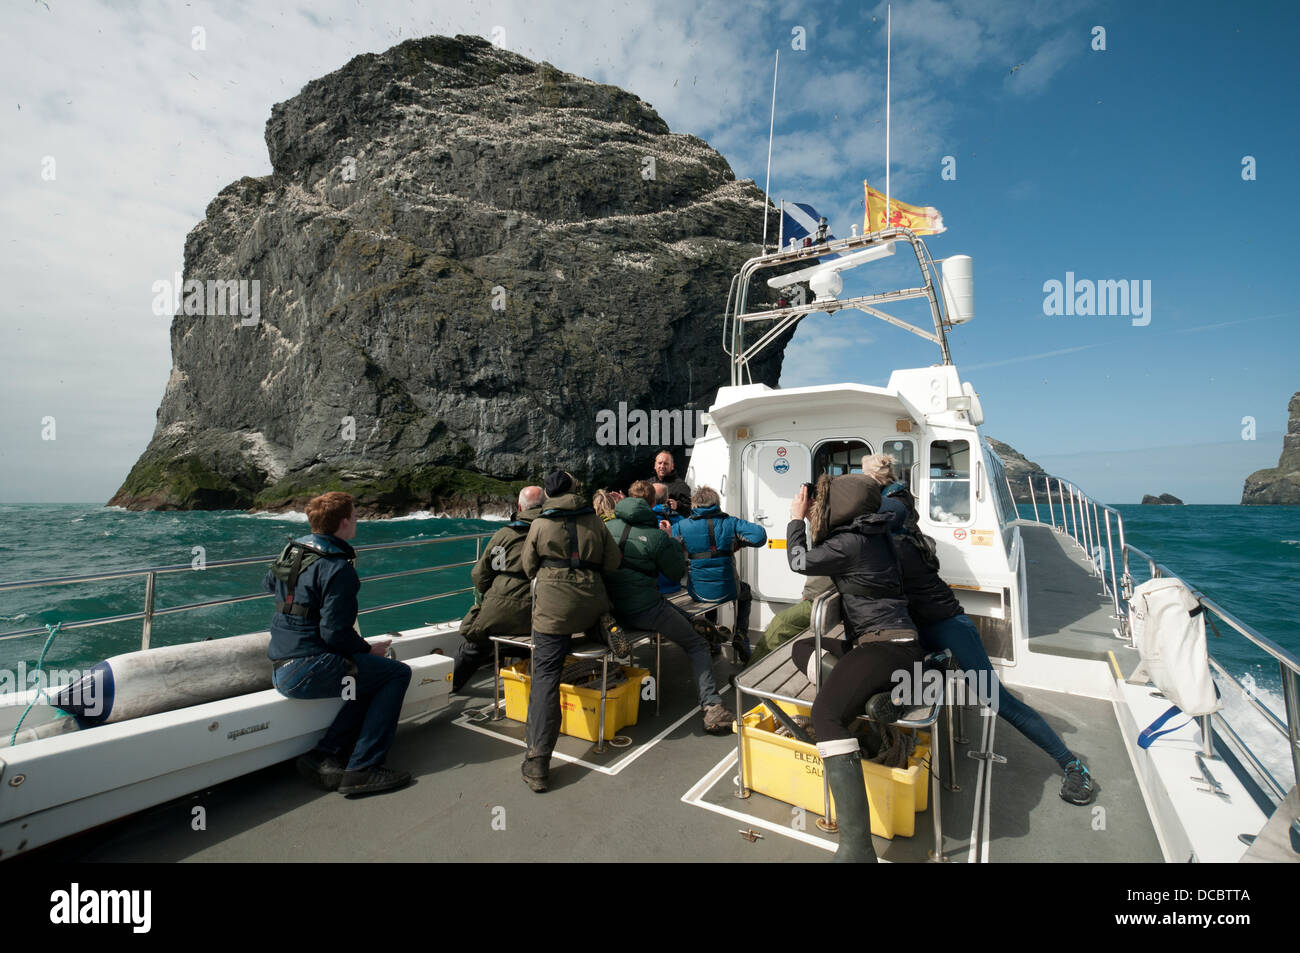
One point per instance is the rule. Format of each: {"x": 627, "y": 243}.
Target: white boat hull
{"x": 60, "y": 785}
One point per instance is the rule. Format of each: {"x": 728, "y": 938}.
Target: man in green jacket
{"x": 648, "y": 551}
{"x": 506, "y": 604}
{"x": 567, "y": 551}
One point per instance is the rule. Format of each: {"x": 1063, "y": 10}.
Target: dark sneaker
{"x": 1078, "y": 786}
{"x": 321, "y": 769}
{"x": 718, "y": 720}
{"x": 373, "y": 780}
{"x": 537, "y": 774}
{"x": 881, "y": 709}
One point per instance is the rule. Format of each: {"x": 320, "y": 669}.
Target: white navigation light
{"x": 958, "y": 289}
{"x": 826, "y": 283}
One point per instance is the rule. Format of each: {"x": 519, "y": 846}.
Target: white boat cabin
{"x": 762, "y": 443}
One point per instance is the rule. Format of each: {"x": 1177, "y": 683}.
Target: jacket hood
{"x": 867, "y": 524}
{"x": 529, "y": 514}
{"x": 713, "y": 510}
{"x": 565, "y": 501}
{"x": 634, "y": 510}
{"x": 326, "y": 543}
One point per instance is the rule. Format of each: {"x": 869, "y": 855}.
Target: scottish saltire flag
{"x": 798, "y": 222}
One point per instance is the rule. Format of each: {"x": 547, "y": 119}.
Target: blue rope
{"x": 40, "y": 671}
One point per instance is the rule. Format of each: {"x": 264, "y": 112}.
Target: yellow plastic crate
{"x": 579, "y": 707}
{"x": 791, "y": 771}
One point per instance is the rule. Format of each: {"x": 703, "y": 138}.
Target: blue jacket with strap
{"x": 712, "y": 572}
{"x": 327, "y": 590}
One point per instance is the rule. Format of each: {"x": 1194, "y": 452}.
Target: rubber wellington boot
{"x": 843, "y": 765}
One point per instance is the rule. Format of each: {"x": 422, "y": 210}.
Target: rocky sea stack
{"x": 462, "y": 257}
{"x": 1019, "y": 471}
{"x": 1279, "y": 484}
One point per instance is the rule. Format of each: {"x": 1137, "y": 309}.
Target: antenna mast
{"x": 770, "y": 130}
{"x": 889, "y": 40}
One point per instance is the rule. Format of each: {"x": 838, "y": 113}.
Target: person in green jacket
{"x": 505, "y": 605}
{"x": 633, "y": 588}
{"x": 568, "y": 552}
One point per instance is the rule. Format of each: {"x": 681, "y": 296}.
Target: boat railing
{"x": 151, "y": 573}
{"x": 1088, "y": 523}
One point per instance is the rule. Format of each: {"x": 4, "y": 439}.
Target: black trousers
{"x": 861, "y": 672}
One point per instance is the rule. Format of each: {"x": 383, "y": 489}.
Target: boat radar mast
{"x": 953, "y": 307}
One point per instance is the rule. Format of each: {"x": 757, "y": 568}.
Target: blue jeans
{"x": 673, "y": 624}
{"x": 368, "y": 720}
{"x": 959, "y": 634}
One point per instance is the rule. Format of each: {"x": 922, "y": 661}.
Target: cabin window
{"x": 904, "y": 454}
{"x": 838, "y": 457}
{"x": 950, "y": 481}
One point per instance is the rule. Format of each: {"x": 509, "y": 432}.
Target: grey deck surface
{"x": 464, "y": 781}
{"x": 1030, "y": 822}
{"x": 1068, "y": 613}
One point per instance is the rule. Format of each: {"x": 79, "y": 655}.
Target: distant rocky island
{"x": 1165, "y": 499}
{"x": 462, "y": 258}
{"x": 1279, "y": 484}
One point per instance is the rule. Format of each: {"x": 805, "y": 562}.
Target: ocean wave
{"x": 1292, "y": 542}
{"x": 1264, "y": 740}
{"x": 289, "y": 517}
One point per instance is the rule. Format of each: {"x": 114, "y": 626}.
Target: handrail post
{"x": 1051, "y": 507}
{"x": 1087, "y": 530}
{"x": 1110, "y": 559}
{"x": 1291, "y": 696}
{"x": 1033, "y": 498}
{"x": 150, "y": 581}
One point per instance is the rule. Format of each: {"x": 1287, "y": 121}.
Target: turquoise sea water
{"x": 1245, "y": 558}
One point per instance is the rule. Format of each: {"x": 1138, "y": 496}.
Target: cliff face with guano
{"x": 463, "y": 257}
{"x": 1279, "y": 484}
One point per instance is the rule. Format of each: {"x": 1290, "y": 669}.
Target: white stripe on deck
{"x": 609, "y": 769}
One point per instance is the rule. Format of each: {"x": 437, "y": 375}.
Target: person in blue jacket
{"x": 664, "y": 510}
{"x": 711, "y": 538}
{"x": 318, "y": 653}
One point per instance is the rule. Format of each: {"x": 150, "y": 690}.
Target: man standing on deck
{"x": 506, "y": 607}
{"x": 318, "y": 653}
{"x": 567, "y": 551}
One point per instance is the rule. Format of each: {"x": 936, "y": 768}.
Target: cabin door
{"x": 773, "y": 470}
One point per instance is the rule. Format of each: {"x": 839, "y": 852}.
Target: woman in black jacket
{"x": 851, "y": 544}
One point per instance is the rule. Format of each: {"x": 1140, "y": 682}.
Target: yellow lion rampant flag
{"x": 923, "y": 221}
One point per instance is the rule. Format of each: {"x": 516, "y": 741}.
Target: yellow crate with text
{"x": 579, "y": 707}
{"x": 791, "y": 771}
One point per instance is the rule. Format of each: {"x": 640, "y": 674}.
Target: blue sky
{"x": 1123, "y": 163}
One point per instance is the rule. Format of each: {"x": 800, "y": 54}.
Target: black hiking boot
{"x": 322, "y": 769}
{"x": 537, "y": 773}
{"x": 372, "y": 780}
